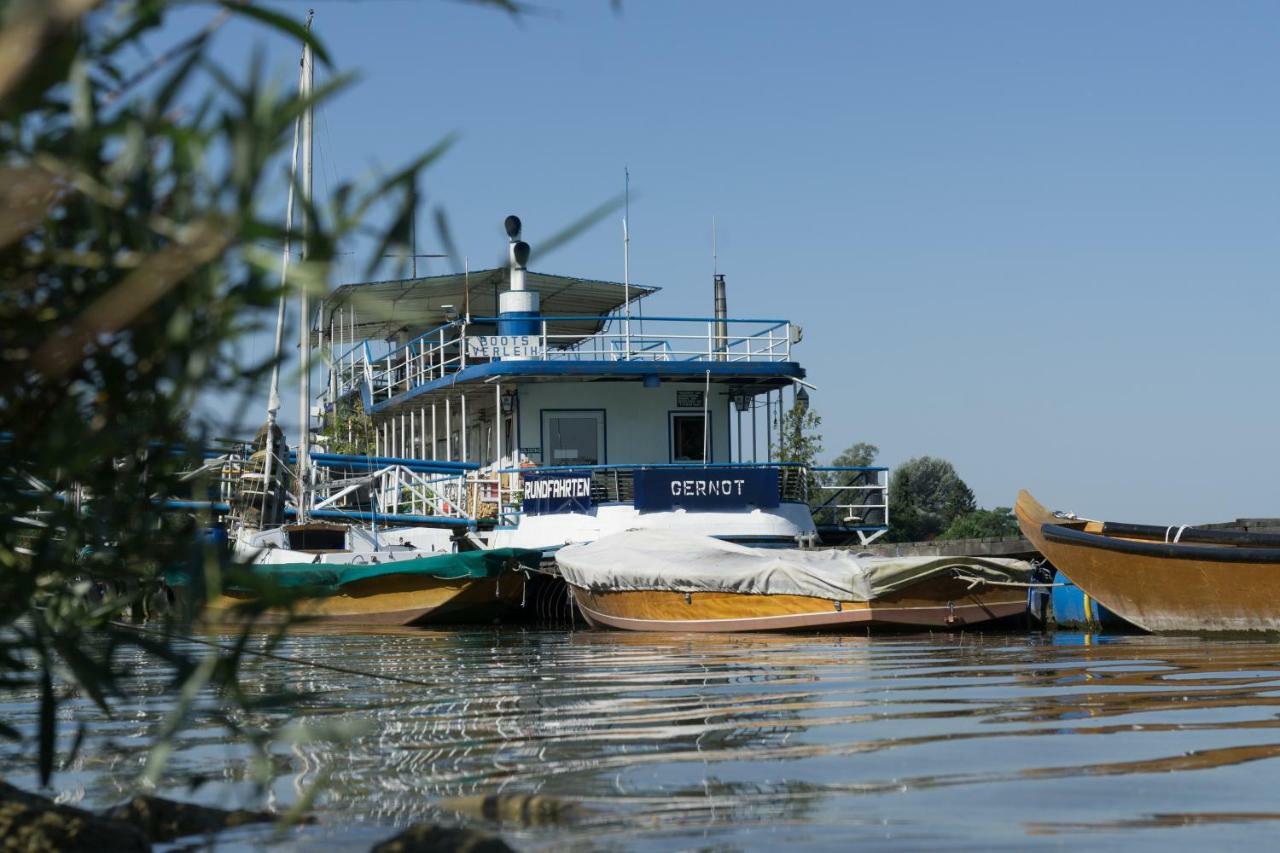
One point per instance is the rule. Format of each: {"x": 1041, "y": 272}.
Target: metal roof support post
{"x": 448, "y": 429}
{"x": 768, "y": 425}
{"x": 433, "y": 430}
{"x": 497, "y": 416}
{"x": 755, "y": 443}
{"x": 497, "y": 444}
{"x": 739, "y": 435}
{"x": 465, "y": 425}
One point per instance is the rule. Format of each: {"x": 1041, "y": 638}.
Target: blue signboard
{"x": 554, "y": 492}
{"x": 658, "y": 489}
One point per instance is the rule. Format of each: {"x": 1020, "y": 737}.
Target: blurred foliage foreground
{"x": 135, "y": 249}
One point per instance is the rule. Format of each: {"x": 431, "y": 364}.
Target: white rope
{"x": 974, "y": 581}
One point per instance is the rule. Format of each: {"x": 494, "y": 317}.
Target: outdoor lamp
{"x": 802, "y": 400}
{"x": 508, "y": 402}
{"x": 742, "y": 401}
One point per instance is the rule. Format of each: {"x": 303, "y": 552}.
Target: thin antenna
{"x": 414, "y": 254}
{"x": 626, "y": 258}
{"x": 466, "y": 289}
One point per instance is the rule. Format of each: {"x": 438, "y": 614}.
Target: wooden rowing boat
{"x": 1163, "y": 578}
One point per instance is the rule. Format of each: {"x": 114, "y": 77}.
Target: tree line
{"x": 927, "y": 497}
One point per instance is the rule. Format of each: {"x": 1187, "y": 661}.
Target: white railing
{"x": 394, "y": 490}
{"x": 859, "y": 504}
{"x": 443, "y": 351}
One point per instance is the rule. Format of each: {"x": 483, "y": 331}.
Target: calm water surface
{"x": 753, "y": 741}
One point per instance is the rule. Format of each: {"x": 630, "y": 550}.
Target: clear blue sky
{"x": 1039, "y": 240}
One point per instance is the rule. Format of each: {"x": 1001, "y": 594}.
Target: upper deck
{"x": 755, "y": 354}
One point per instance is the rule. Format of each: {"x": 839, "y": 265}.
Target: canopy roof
{"x": 405, "y": 308}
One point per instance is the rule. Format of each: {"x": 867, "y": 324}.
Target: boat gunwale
{"x": 1166, "y": 550}
{"x": 1186, "y": 534}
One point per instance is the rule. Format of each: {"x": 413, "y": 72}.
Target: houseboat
{"x": 578, "y": 414}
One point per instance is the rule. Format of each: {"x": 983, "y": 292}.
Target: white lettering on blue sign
{"x": 723, "y": 487}
{"x": 542, "y": 489}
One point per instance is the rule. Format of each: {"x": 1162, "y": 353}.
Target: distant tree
{"x": 860, "y": 455}
{"x": 925, "y": 496}
{"x": 981, "y": 524}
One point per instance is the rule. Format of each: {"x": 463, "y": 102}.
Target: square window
{"x": 572, "y": 437}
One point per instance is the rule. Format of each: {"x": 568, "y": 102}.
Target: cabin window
{"x": 317, "y": 538}
{"x": 688, "y": 437}
{"x": 572, "y": 437}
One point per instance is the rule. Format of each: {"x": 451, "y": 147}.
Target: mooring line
{"x": 346, "y": 670}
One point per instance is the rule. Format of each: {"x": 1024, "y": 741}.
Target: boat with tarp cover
{"x": 468, "y": 586}
{"x": 645, "y": 580}
{"x": 1163, "y": 578}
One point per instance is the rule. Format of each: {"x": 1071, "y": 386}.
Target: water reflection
{"x": 752, "y": 741}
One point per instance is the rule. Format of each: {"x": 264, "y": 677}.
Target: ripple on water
{"x": 748, "y": 741}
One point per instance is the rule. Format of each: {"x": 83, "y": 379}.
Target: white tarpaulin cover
{"x": 679, "y": 562}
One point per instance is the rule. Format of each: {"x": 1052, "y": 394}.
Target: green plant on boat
{"x": 797, "y": 441}
{"x": 347, "y": 429}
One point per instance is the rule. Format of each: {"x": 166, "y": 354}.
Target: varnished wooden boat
{"x": 663, "y": 581}
{"x": 1163, "y": 578}
{"x": 944, "y": 603}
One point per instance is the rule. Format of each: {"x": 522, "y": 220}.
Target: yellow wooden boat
{"x": 1163, "y": 578}
{"x": 657, "y": 581}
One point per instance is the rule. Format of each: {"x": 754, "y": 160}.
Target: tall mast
{"x": 273, "y": 399}
{"x": 626, "y": 260}
{"x": 304, "y": 306}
